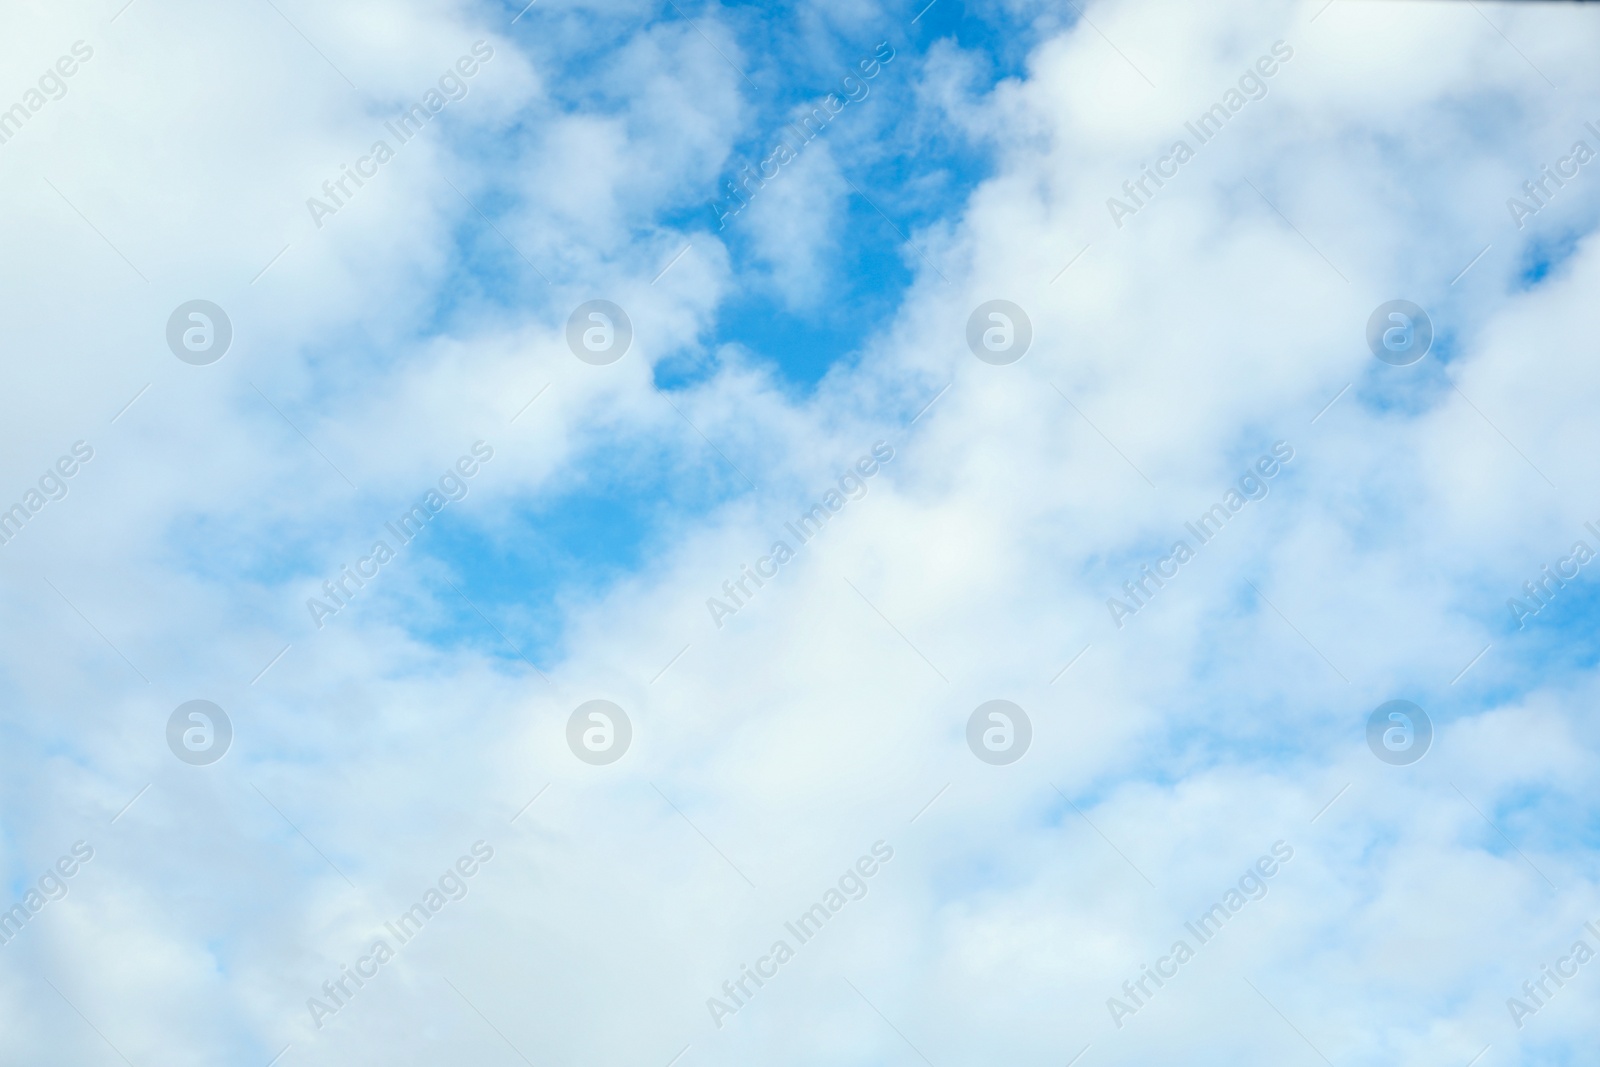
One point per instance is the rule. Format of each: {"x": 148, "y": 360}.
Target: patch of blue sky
{"x": 555, "y": 552}
{"x": 901, "y": 159}
{"x": 906, "y": 170}
{"x": 1003, "y": 34}
{"x": 867, "y": 276}
{"x": 1563, "y": 637}
{"x": 1545, "y": 254}
{"x": 615, "y": 508}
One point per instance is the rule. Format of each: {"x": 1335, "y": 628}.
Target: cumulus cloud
{"x": 1218, "y": 717}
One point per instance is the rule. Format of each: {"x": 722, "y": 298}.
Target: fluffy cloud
{"x": 1168, "y": 754}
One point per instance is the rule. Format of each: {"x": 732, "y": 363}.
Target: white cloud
{"x": 827, "y": 712}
